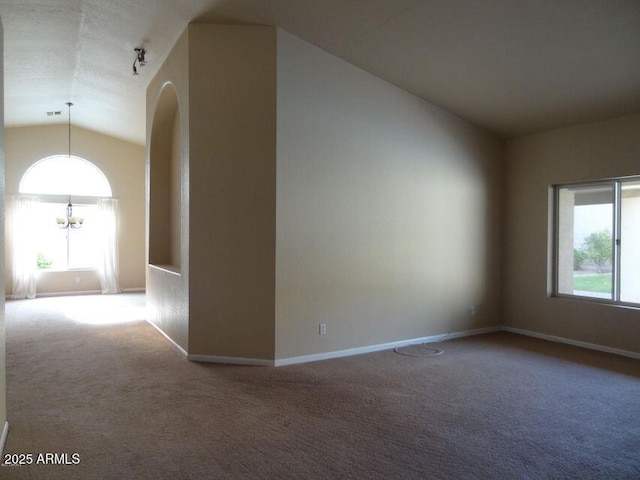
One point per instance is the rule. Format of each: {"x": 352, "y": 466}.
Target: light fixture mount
{"x": 140, "y": 59}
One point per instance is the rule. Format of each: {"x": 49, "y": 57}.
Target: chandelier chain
{"x": 69, "y": 221}
{"x": 69, "y": 104}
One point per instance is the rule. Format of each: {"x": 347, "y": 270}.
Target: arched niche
{"x": 165, "y": 182}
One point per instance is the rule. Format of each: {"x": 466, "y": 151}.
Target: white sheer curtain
{"x": 107, "y": 221}
{"x": 24, "y": 249}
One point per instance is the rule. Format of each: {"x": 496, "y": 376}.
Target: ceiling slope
{"x": 514, "y": 67}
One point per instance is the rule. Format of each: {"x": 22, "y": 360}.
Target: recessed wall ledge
{"x": 166, "y": 268}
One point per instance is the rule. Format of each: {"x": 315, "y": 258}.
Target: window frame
{"x": 616, "y": 241}
{"x": 83, "y": 172}
{"x": 75, "y": 189}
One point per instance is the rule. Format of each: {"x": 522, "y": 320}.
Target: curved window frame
{"x": 55, "y": 180}
{"x": 84, "y": 179}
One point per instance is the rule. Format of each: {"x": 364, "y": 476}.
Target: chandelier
{"x": 69, "y": 221}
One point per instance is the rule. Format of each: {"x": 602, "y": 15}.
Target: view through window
{"x": 52, "y": 180}
{"x": 597, "y": 240}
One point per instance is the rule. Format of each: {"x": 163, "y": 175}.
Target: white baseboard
{"x": 388, "y": 346}
{"x": 171, "y": 340}
{"x": 56, "y": 294}
{"x": 259, "y": 362}
{"x": 471, "y": 333}
{"x": 3, "y": 440}
{"x": 575, "y": 343}
{"x": 335, "y": 354}
{"x": 75, "y": 293}
{"x": 382, "y": 346}
{"x": 69, "y": 294}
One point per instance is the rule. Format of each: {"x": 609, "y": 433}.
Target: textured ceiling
{"x": 512, "y": 66}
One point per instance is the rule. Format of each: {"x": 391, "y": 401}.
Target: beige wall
{"x": 534, "y": 163}
{"x": 3, "y": 368}
{"x": 388, "y": 211}
{"x": 123, "y": 164}
{"x": 221, "y": 302}
{"x": 232, "y": 89}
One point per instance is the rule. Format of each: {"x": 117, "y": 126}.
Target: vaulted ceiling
{"x": 513, "y": 67}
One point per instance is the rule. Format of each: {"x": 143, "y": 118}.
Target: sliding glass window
{"x": 597, "y": 241}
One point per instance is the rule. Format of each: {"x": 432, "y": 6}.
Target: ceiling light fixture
{"x": 69, "y": 221}
{"x": 140, "y": 60}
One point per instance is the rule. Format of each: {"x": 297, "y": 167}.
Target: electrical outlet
{"x": 472, "y": 310}
{"x": 323, "y": 329}
{"x": 77, "y": 279}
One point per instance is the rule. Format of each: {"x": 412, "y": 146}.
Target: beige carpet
{"x": 497, "y": 406}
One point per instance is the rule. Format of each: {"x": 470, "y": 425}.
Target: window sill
{"x": 597, "y": 301}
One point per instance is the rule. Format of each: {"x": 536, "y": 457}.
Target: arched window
{"x": 65, "y": 175}
{"x": 53, "y": 182}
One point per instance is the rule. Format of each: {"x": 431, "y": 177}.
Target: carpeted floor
{"x": 498, "y": 406}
